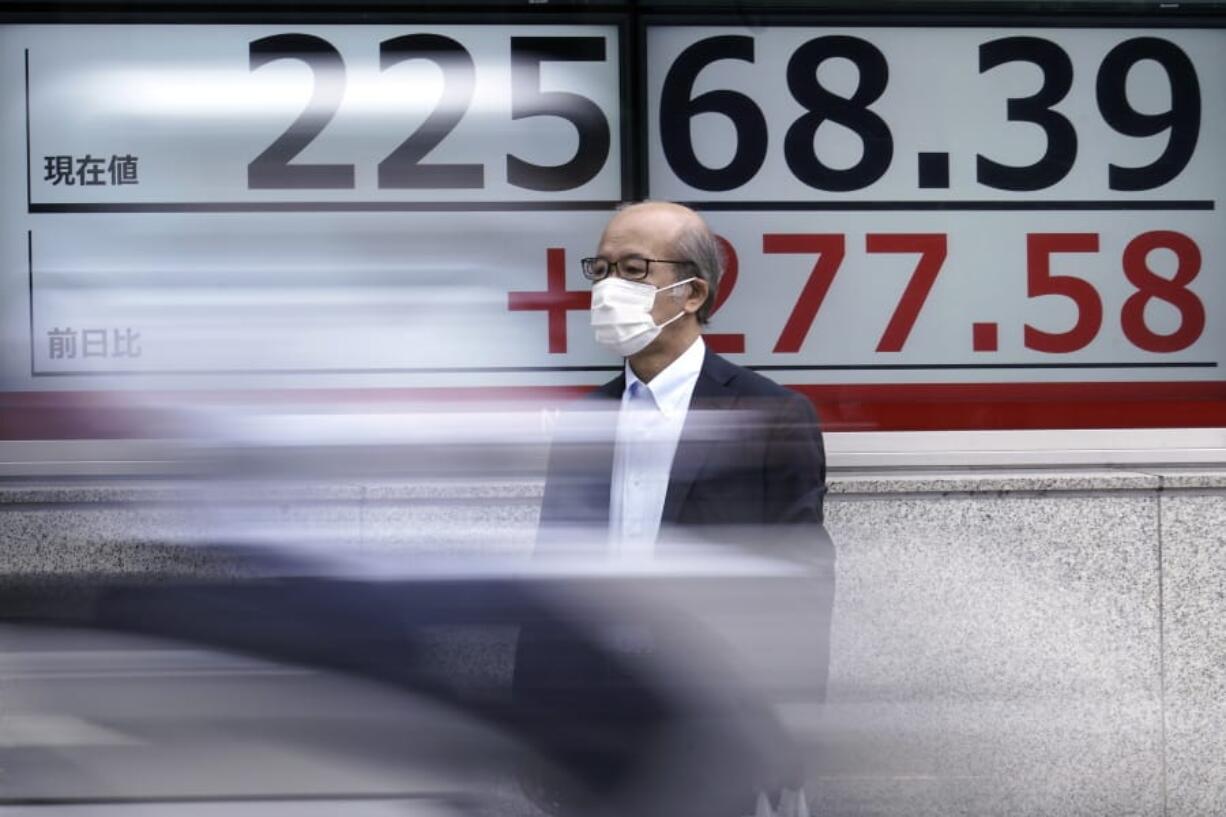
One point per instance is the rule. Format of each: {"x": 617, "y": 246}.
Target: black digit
{"x": 527, "y": 99}
{"x": 677, "y": 111}
{"x": 850, "y": 112}
{"x": 403, "y": 167}
{"x": 1061, "y": 151}
{"x": 272, "y": 169}
{"x": 1182, "y": 119}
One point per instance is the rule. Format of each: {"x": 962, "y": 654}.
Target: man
{"x": 683, "y": 445}
{"x": 700, "y": 444}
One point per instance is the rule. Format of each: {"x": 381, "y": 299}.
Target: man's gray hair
{"x": 698, "y": 245}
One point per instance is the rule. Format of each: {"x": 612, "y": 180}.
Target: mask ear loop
{"x": 678, "y": 283}
{"x": 682, "y": 312}
{"x": 676, "y": 317}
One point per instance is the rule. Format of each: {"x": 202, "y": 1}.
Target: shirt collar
{"x": 672, "y": 387}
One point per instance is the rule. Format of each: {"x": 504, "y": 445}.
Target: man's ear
{"x": 697, "y": 295}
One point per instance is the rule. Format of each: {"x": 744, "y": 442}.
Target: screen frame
{"x": 1031, "y": 448}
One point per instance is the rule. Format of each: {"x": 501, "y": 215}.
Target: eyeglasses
{"x": 632, "y": 269}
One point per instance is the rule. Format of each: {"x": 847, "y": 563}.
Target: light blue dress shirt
{"x": 648, "y": 429}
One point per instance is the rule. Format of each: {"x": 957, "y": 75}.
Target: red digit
{"x": 932, "y": 248}
{"x": 1040, "y": 281}
{"x": 725, "y": 343}
{"x": 1172, "y": 290}
{"x": 829, "y": 248}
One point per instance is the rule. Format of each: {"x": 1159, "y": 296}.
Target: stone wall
{"x": 1004, "y": 642}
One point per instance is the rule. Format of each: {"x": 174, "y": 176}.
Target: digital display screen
{"x": 920, "y": 222}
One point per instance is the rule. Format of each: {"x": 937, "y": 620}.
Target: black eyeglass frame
{"x": 587, "y": 263}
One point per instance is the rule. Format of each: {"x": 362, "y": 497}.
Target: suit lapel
{"x": 711, "y": 391}
{"x": 611, "y": 390}
{"x": 606, "y": 398}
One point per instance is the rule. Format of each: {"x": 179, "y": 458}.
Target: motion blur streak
{"x": 311, "y": 665}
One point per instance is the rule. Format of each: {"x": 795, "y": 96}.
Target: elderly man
{"x": 755, "y": 457}
{"x": 683, "y": 445}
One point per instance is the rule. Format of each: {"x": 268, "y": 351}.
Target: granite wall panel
{"x": 994, "y": 653}
{"x": 1194, "y": 616}
{"x": 1004, "y": 644}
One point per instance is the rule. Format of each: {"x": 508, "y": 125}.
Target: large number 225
{"x": 403, "y": 168}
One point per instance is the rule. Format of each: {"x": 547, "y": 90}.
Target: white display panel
{"x": 351, "y": 299}
{"x": 320, "y": 206}
{"x": 840, "y": 115}
{"x": 991, "y": 205}
{"x": 922, "y": 298}
{"x": 929, "y": 227}
{"x": 246, "y": 114}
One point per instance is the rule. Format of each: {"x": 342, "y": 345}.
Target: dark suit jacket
{"x": 750, "y": 455}
{"x": 749, "y": 471}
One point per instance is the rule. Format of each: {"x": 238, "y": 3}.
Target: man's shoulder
{"x": 725, "y": 373}
{"x": 742, "y": 380}
{"x": 756, "y": 391}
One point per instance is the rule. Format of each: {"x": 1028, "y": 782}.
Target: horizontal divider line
{"x": 601, "y": 206}
{"x": 321, "y": 206}
{"x": 288, "y": 797}
{"x": 538, "y": 369}
{"x": 439, "y": 370}
{"x": 944, "y": 205}
{"x": 970, "y": 366}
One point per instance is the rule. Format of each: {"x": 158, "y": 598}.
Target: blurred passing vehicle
{"x": 309, "y": 686}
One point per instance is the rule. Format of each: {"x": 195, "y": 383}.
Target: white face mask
{"x": 621, "y": 314}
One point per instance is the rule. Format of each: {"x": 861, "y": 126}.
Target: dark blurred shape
{"x": 666, "y": 727}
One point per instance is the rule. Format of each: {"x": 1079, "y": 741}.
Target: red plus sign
{"x": 555, "y": 300}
